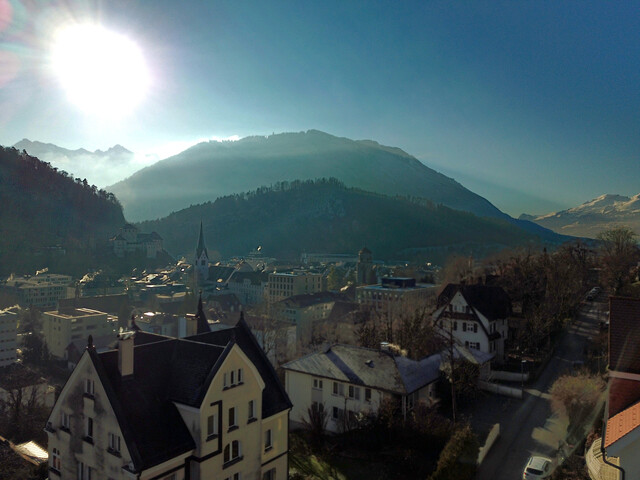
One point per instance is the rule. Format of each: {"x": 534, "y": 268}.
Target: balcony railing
{"x": 598, "y": 470}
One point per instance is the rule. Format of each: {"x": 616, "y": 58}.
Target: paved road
{"x": 528, "y": 426}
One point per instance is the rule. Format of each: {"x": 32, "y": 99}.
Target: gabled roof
{"x": 624, "y": 334}
{"x": 274, "y": 396}
{"x": 168, "y": 370}
{"x": 622, "y": 424}
{"x": 493, "y": 302}
{"x": 369, "y": 368}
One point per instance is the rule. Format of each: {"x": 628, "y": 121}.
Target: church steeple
{"x": 201, "y": 247}
{"x": 202, "y": 324}
{"x": 201, "y": 262}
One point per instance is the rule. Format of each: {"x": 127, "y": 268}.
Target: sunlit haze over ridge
{"x": 533, "y": 105}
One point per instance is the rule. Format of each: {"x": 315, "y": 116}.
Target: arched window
{"x": 232, "y": 451}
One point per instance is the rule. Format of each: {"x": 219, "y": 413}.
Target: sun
{"x": 103, "y": 72}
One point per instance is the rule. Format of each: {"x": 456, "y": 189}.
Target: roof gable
{"x": 491, "y": 301}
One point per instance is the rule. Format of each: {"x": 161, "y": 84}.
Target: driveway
{"x": 528, "y": 426}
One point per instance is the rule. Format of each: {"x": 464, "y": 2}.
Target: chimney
{"x": 125, "y": 353}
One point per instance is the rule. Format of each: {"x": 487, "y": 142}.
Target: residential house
{"x": 620, "y": 442}
{"x": 206, "y": 406}
{"x": 476, "y": 316}
{"x": 345, "y": 380}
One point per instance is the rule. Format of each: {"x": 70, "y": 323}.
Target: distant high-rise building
{"x": 201, "y": 261}
{"x": 8, "y": 337}
{"x": 364, "y": 268}
{"x": 285, "y": 285}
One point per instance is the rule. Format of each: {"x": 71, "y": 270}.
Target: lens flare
{"x": 102, "y": 72}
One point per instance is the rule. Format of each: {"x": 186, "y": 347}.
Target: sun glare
{"x": 102, "y": 72}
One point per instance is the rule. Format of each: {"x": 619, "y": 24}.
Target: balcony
{"x": 598, "y": 470}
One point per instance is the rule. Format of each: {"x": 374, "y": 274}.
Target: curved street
{"x": 528, "y": 427}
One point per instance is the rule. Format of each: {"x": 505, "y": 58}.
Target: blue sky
{"x": 533, "y": 105}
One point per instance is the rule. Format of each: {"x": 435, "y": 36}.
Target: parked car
{"x": 537, "y": 468}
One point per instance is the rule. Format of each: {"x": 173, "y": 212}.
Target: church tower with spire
{"x": 201, "y": 263}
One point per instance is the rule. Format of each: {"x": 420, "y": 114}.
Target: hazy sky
{"x": 535, "y": 105}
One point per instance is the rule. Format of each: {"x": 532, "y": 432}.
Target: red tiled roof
{"x": 624, "y": 334}
{"x": 622, "y": 424}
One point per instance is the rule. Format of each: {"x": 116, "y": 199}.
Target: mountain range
{"x": 213, "y": 169}
{"x": 49, "y": 218}
{"x": 101, "y": 167}
{"x": 326, "y": 216}
{"x": 592, "y": 217}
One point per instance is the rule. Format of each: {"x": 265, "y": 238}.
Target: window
{"x": 88, "y": 428}
{"x": 232, "y": 417}
{"x": 338, "y": 388}
{"x": 170, "y": 477}
{"x": 475, "y": 328}
{"x": 337, "y": 413}
{"x": 236, "y": 476}
{"x": 233, "y": 377}
{"x": 317, "y": 407}
{"x": 84, "y": 471}
{"x": 464, "y": 326}
{"x": 268, "y": 440}
{"x": 55, "y": 459}
{"x": 317, "y": 383}
{"x": 232, "y": 451}
{"x": 367, "y": 394}
{"x": 212, "y": 426}
{"x": 252, "y": 410}
{"x": 455, "y": 325}
{"x": 114, "y": 443}
{"x": 269, "y": 474}
{"x": 64, "y": 420}
{"x": 89, "y": 387}
{"x": 240, "y": 376}
{"x": 224, "y": 380}
{"x": 475, "y": 345}
{"x": 354, "y": 392}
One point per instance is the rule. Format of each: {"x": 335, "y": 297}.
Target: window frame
{"x": 268, "y": 439}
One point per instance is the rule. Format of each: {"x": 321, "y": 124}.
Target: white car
{"x": 537, "y": 468}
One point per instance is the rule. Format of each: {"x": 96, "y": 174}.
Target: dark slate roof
{"x": 226, "y": 301}
{"x": 308, "y": 299}
{"x": 370, "y": 368}
{"x": 624, "y": 334}
{"x": 202, "y": 325}
{"x": 493, "y": 302}
{"x": 103, "y": 303}
{"x": 151, "y": 424}
{"x": 341, "y": 309}
{"x": 168, "y": 370}
{"x": 274, "y": 396}
{"x": 256, "y": 278}
{"x": 219, "y": 273}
